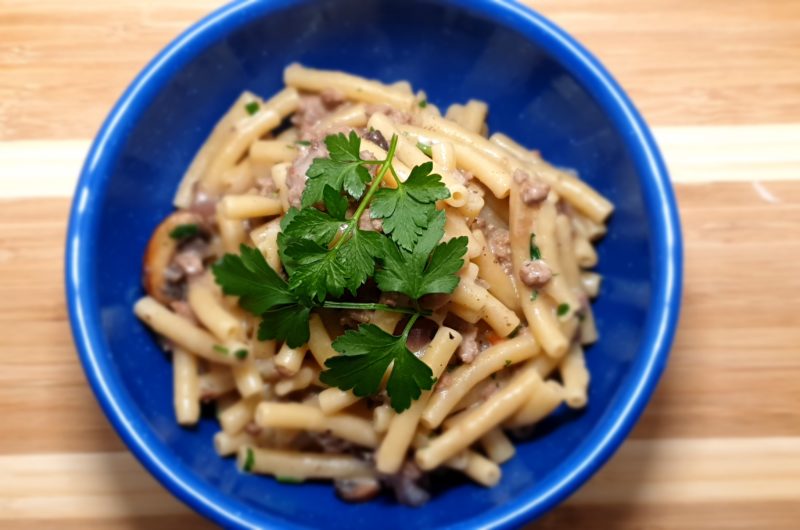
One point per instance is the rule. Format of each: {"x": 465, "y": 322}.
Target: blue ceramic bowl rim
{"x": 596, "y": 449}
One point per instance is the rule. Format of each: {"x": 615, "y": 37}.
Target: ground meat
{"x": 535, "y": 273}
{"x": 310, "y": 110}
{"x": 266, "y": 187}
{"x": 397, "y": 116}
{"x": 352, "y": 318}
{"x": 252, "y": 428}
{"x": 203, "y": 204}
{"x": 445, "y": 380}
{"x": 368, "y": 223}
{"x": 421, "y": 334}
{"x": 330, "y": 443}
{"x": 500, "y": 244}
{"x": 408, "y": 485}
{"x": 331, "y": 98}
{"x": 489, "y": 388}
{"x": 377, "y": 138}
{"x": 466, "y": 176}
{"x": 434, "y": 301}
{"x": 182, "y": 308}
{"x": 469, "y": 347}
{"x": 532, "y": 190}
{"x": 357, "y": 489}
{"x": 296, "y": 176}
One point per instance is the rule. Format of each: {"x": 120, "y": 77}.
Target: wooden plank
{"x": 50, "y": 168}
{"x": 706, "y": 516}
{"x": 734, "y": 343}
{"x": 686, "y": 473}
{"x": 44, "y": 397}
{"x": 716, "y": 61}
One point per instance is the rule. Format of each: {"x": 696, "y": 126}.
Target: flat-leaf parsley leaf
{"x": 406, "y": 209}
{"x": 344, "y": 169}
{"x": 366, "y": 354}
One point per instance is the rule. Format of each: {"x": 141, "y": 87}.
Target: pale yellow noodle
{"x": 466, "y": 376}
{"x": 186, "y": 387}
{"x": 575, "y": 377}
{"x": 480, "y": 420}
{"x": 391, "y": 453}
{"x": 302, "y": 465}
{"x": 180, "y": 331}
{"x": 497, "y": 446}
{"x": 352, "y": 86}
{"x": 501, "y": 285}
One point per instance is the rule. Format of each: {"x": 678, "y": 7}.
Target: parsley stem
{"x": 410, "y": 323}
{"x": 385, "y": 166}
{"x": 373, "y": 307}
{"x": 373, "y": 188}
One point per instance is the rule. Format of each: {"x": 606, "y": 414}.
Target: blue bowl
{"x": 543, "y": 89}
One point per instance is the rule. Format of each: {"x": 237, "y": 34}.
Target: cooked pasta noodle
{"x": 504, "y": 343}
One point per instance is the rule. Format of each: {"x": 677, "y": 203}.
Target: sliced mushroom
{"x": 159, "y": 253}
{"x": 357, "y": 489}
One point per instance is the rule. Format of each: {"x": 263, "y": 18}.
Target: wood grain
{"x": 731, "y": 341}
{"x": 718, "y": 447}
{"x": 684, "y": 62}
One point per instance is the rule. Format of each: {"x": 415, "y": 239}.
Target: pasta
{"x": 486, "y": 331}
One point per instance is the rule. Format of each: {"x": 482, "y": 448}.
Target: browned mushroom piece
{"x": 357, "y": 489}
{"x": 535, "y": 273}
{"x": 159, "y": 253}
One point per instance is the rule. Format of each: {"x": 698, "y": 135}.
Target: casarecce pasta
{"x": 497, "y": 342}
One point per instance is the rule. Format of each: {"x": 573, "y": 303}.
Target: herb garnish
{"x": 325, "y": 253}
{"x": 185, "y": 231}
{"x": 535, "y": 252}
{"x": 252, "y": 108}
{"x": 288, "y": 480}
{"x": 249, "y": 460}
{"x": 240, "y": 354}
{"x": 423, "y": 103}
{"x": 426, "y": 149}
{"x": 562, "y": 310}
{"x": 219, "y": 348}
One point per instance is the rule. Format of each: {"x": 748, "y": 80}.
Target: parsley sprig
{"x": 326, "y": 254}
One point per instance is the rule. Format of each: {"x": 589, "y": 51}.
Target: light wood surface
{"x": 719, "y": 446}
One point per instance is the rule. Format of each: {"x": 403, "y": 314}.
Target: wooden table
{"x": 719, "y": 80}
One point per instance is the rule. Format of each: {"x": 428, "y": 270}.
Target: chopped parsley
{"x": 240, "y": 354}
{"x": 534, "y": 295}
{"x": 219, "y": 348}
{"x": 288, "y": 480}
{"x": 507, "y": 363}
{"x": 562, "y": 310}
{"x": 423, "y": 103}
{"x": 426, "y": 149}
{"x": 249, "y": 460}
{"x": 535, "y": 252}
{"x": 304, "y": 143}
{"x": 252, "y": 108}
{"x": 185, "y": 231}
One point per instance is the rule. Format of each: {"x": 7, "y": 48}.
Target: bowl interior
{"x": 453, "y": 53}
